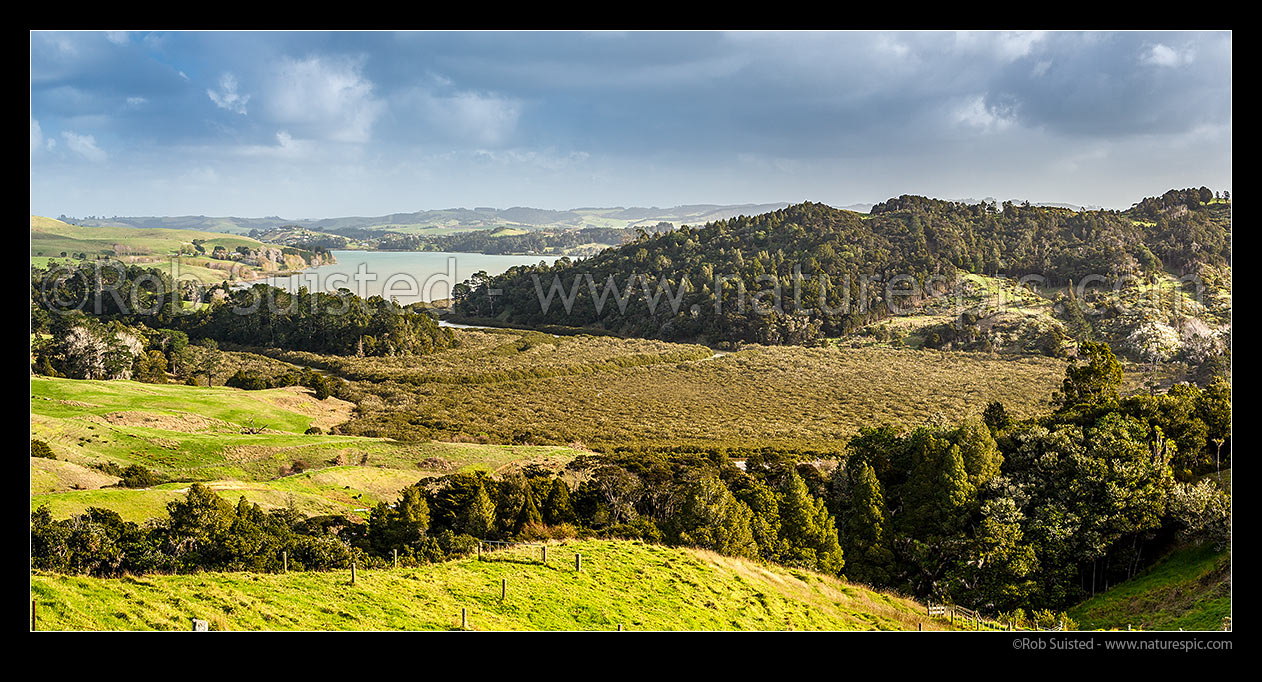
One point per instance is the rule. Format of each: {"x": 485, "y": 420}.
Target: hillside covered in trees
{"x": 809, "y": 271}
{"x": 100, "y": 321}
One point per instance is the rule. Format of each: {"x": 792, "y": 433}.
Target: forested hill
{"x": 914, "y": 243}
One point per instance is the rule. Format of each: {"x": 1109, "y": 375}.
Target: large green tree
{"x": 808, "y": 533}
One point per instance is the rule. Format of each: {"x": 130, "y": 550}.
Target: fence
{"x": 492, "y": 550}
{"x": 980, "y": 622}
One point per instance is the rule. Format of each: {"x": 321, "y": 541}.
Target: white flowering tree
{"x": 91, "y": 350}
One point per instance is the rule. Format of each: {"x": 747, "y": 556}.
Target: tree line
{"x": 495, "y": 242}
{"x": 65, "y": 299}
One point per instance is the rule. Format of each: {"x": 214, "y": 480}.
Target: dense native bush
{"x": 496, "y": 242}
{"x": 712, "y": 275}
{"x": 1021, "y": 514}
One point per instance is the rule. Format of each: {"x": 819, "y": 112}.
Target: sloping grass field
{"x": 195, "y": 433}
{"x": 54, "y": 236}
{"x": 628, "y": 583}
{"x": 156, "y": 248}
{"x": 1190, "y": 589}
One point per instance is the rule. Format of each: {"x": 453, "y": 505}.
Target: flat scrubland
{"x": 502, "y": 397}
{"x": 628, "y": 583}
{"x": 195, "y": 433}
{"x": 1190, "y": 589}
{"x": 513, "y": 386}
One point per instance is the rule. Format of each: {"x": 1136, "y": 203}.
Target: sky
{"x": 319, "y": 124}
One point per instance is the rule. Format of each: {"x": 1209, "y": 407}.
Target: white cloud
{"x": 63, "y": 44}
{"x": 1164, "y": 55}
{"x": 118, "y": 37}
{"x": 1081, "y": 158}
{"x": 228, "y": 97}
{"x": 84, "y": 145}
{"x": 486, "y": 120}
{"x": 974, "y": 113}
{"x": 286, "y": 147}
{"x": 37, "y": 136}
{"x": 888, "y": 44}
{"x": 1013, "y": 45}
{"x": 1005, "y": 45}
{"x": 536, "y": 159}
{"x": 200, "y": 176}
{"x": 325, "y": 97}
{"x": 135, "y": 102}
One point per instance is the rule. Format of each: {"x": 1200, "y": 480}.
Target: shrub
{"x": 41, "y": 449}
{"x": 1202, "y": 511}
{"x": 457, "y": 544}
{"x": 247, "y": 380}
{"x": 136, "y": 476}
{"x": 110, "y": 468}
{"x": 320, "y": 553}
{"x": 313, "y": 431}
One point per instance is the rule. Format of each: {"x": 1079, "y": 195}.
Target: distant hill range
{"x": 453, "y": 220}
{"x": 447, "y": 221}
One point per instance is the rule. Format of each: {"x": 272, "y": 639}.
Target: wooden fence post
{"x": 464, "y": 619}
{"x": 545, "y": 554}
{"x": 479, "y": 550}
{"x": 396, "y": 558}
{"x": 352, "y": 571}
{"x": 503, "y": 589}
{"x": 578, "y": 563}
{"x": 920, "y": 627}
{"x": 284, "y": 558}
{"x": 619, "y": 627}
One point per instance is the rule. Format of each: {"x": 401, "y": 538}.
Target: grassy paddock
{"x": 640, "y": 586}
{"x": 195, "y": 433}
{"x": 1190, "y": 589}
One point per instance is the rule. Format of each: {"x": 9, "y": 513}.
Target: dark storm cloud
{"x": 1119, "y": 84}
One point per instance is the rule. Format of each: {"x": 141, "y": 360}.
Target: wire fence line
{"x": 966, "y": 616}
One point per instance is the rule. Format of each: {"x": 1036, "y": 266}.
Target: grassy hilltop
{"x": 175, "y": 251}
{"x": 195, "y": 433}
{"x": 640, "y": 586}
